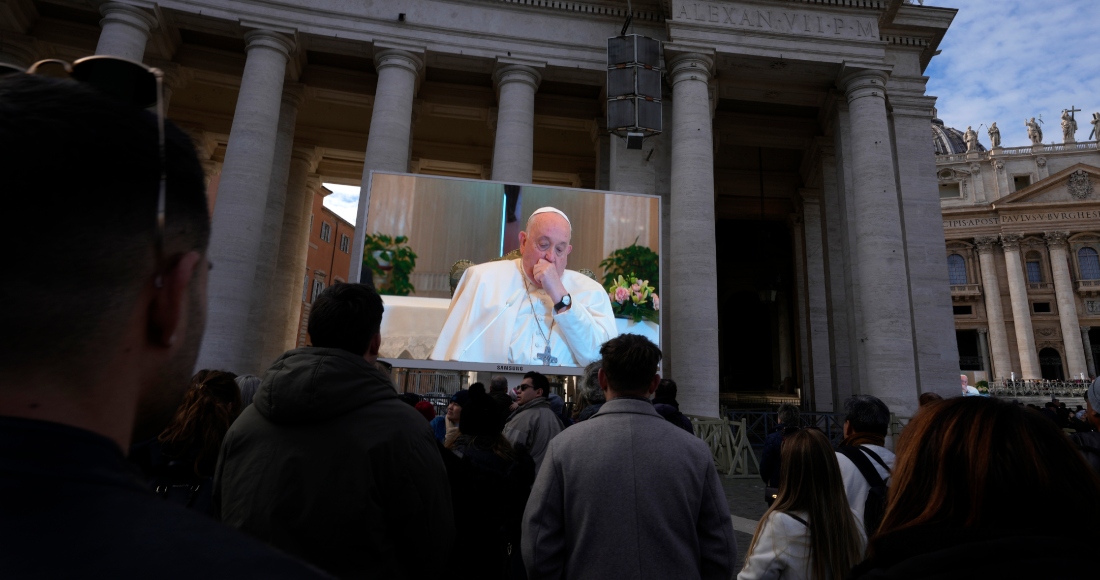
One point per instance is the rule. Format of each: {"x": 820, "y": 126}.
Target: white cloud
{"x": 344, "y": 200}
{"x": 1009, "y": 60}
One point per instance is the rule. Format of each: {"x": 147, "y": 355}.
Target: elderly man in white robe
{"x": 531, "y": 310}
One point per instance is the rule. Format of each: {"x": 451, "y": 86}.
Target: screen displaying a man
{"x": 530, "y": 310}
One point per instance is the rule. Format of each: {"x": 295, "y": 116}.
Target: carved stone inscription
{"x": 1023, "y": 218}
{"x": 774, "y": 19}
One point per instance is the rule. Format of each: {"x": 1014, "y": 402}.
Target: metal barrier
{"x": 728, "y": 443}
{"x": 761, "y": 423}
{"x": 1038, "y": 388}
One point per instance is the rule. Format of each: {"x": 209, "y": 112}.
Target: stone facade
{"x": 800, "y": 127}
{"x": 1022, "y": 226}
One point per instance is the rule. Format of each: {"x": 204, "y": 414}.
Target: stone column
{"x": 692, "y": 267}
{"x": 1067, "y": 305}
{"x": 514, "y": 147}
{"x": 238, "y": 224}
{"x": 263, "y": 316}
{"x": 601, "y": 140}
{"x": 126, "y": 30}
{"x": 994, "y": 311}
{"x": 390, "y": 132}
{"x": 820, "y": 354}
{"x": 835, "y": 266}
{"x": 983, "y": 351}
{"x": 886, "y": 329}
{"x": 294, "y": 245}
{"x": 1090, "y": 362}
{"x": 1021, "y": 311}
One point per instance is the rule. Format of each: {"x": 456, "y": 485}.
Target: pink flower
{"x": 635, "y": 287}
{"x": 656, "y": 302}
{"x": 621, "y": 294}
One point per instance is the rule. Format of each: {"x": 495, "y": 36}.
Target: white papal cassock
{"x": 493, "y": 319}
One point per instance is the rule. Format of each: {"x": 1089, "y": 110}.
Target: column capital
{"x": 690, "y": 66}
{"x": 269, "y": 39}
{"x": 517, "y": 73}
{"x": 1056, "y": 239}
{"x": 307, "y": 154}
{"x": 397, "y": 57}
{"x": 983, "y": 331}
{"x": 859, "y": 83}
{"x": 294, "y": 94}
{"x": 1086, "y": 328}
{"x": 1011, "y": 242}
{"x": 132, "y": 16}
{"x": 986, "y": 244}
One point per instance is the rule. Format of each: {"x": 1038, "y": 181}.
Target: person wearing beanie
{"x": 490, "y": 481}
{"x": 425, "y": 408}
{"x": 1089, "y": 442}
{"x": 454, "y": 416}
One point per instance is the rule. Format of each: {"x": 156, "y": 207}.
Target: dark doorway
{"x": 1050, "y": 364}
{"x": 1094, "y": 339}
{"x": 970, "y": 358}
{"x": 756, "y": 315}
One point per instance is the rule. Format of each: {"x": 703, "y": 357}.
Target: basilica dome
{"x": 948, "y": 140}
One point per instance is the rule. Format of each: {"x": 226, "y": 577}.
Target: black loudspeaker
{"x": 634, "y": 87}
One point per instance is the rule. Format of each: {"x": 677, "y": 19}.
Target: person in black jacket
{"x": 1088, "y": 442}
{"x": 98, "y": 357}
{"x": 970, "y": 498}
{"x": 788, "y": 421}
{"x": 329, "y": 464}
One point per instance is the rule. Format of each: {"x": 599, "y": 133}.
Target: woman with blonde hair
{"x": 809, "y": 532}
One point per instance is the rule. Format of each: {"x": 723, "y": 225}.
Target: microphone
{"x": 508, "y": 304}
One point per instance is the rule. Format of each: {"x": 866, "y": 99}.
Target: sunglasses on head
{"x": 125, "y": 80}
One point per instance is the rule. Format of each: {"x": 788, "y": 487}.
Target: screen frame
{"x": 426, "y": 364}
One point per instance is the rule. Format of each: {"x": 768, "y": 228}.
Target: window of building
{"x": 345, "y": 243}
{"x": 1021, "y": 181}
{"x": 305, "y": 287}
{"x": 950, "y": 191}
{"x": 326, "y": 232}
{"x": 963, "y": 310}
{"x": 956, "y": 269}
{"x": 311, "y": 223}
{"x": 1034, "y": 267}
{"x": 1089, "y": 263}
{"x": 1040, "y": 307}
{"x": 318, "y": 287}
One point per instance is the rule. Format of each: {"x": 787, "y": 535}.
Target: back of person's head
{"x": 411, "y": 399}
{"x": 480, "y": 415}
{"x": 426, "y": 409}
{"x": 928, "y": 398}
{"x": 209, "y": 407}
{"x": 539, "y": 381}
{"x": 810, "y": 481}
{"x": 666, "y": 389}
{"x": 248, "y": 384}
{"x": 867, "y": 414}
{"x": 499, "y": 384}
{"x": 590, "y": 383}
{"x": 88, "y": 164}
{"x": 788, "y": 414}
{"x": 346, "y": 317}
{"x": 976, "y": 462}
{"x": 630, "y": 363}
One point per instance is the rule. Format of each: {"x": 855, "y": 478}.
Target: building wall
{"x": 327, "y": 260}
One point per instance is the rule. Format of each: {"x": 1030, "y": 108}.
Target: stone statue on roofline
{"x": 994, "y": 136}
{"x": 1095, "y": 134}
{"x": 1069, "y": 126}
{"x": 971, "y": 138}
{"x": 1034, "y": 132}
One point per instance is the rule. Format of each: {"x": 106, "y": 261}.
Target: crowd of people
{"x": 113, "y": 464}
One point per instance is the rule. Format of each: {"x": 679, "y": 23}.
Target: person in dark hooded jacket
{"x": 328, "y": 464}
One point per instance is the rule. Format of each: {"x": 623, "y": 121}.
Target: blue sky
{"x": 1007, "y": 60}
{"x": 1002, "y": 60}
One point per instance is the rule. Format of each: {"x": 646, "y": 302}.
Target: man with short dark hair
{"x": 532, "y": 425}
{"x": 99, "y": 357}
{"x": 865, "y": 462}
{"x": 626, "y": 494}
{"x": 328, "y": 464}
{"x": 787, "y": 418}
{"x": 498, "y": 392}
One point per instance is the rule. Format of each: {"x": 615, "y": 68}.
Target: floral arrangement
{"x": 983, "y": 387}
{"x": 634, "y": 299}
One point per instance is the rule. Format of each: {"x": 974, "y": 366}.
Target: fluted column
{"x": 1067, "y": 306}
{"x": 983, "y": 351}
{"x": 390, "y": 132}
{"x": 294, "y": 247}
{"x": 238, "y": 224}
{"x": 514, "y": 147}
{"x": 1090, "y": 361}
{"x": 692, "y": 266}
{"x": 126, "y": 30}
{"x": 994, "y": 310}
{"x": 264, "y": 311}
{"x": 1021, "y": 312}
{"x": 886, "y": 330}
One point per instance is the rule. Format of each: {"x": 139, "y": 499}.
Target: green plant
{"x": 982, "y": 386}
{"x": 391, "y": 259}
{"x": 633, "y": 260}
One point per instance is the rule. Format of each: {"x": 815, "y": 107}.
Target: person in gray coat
{"x": 533, "y": 424}
{"x": 626, "y": 494}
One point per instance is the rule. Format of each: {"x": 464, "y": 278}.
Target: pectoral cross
{"x": 545, "y": 357}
